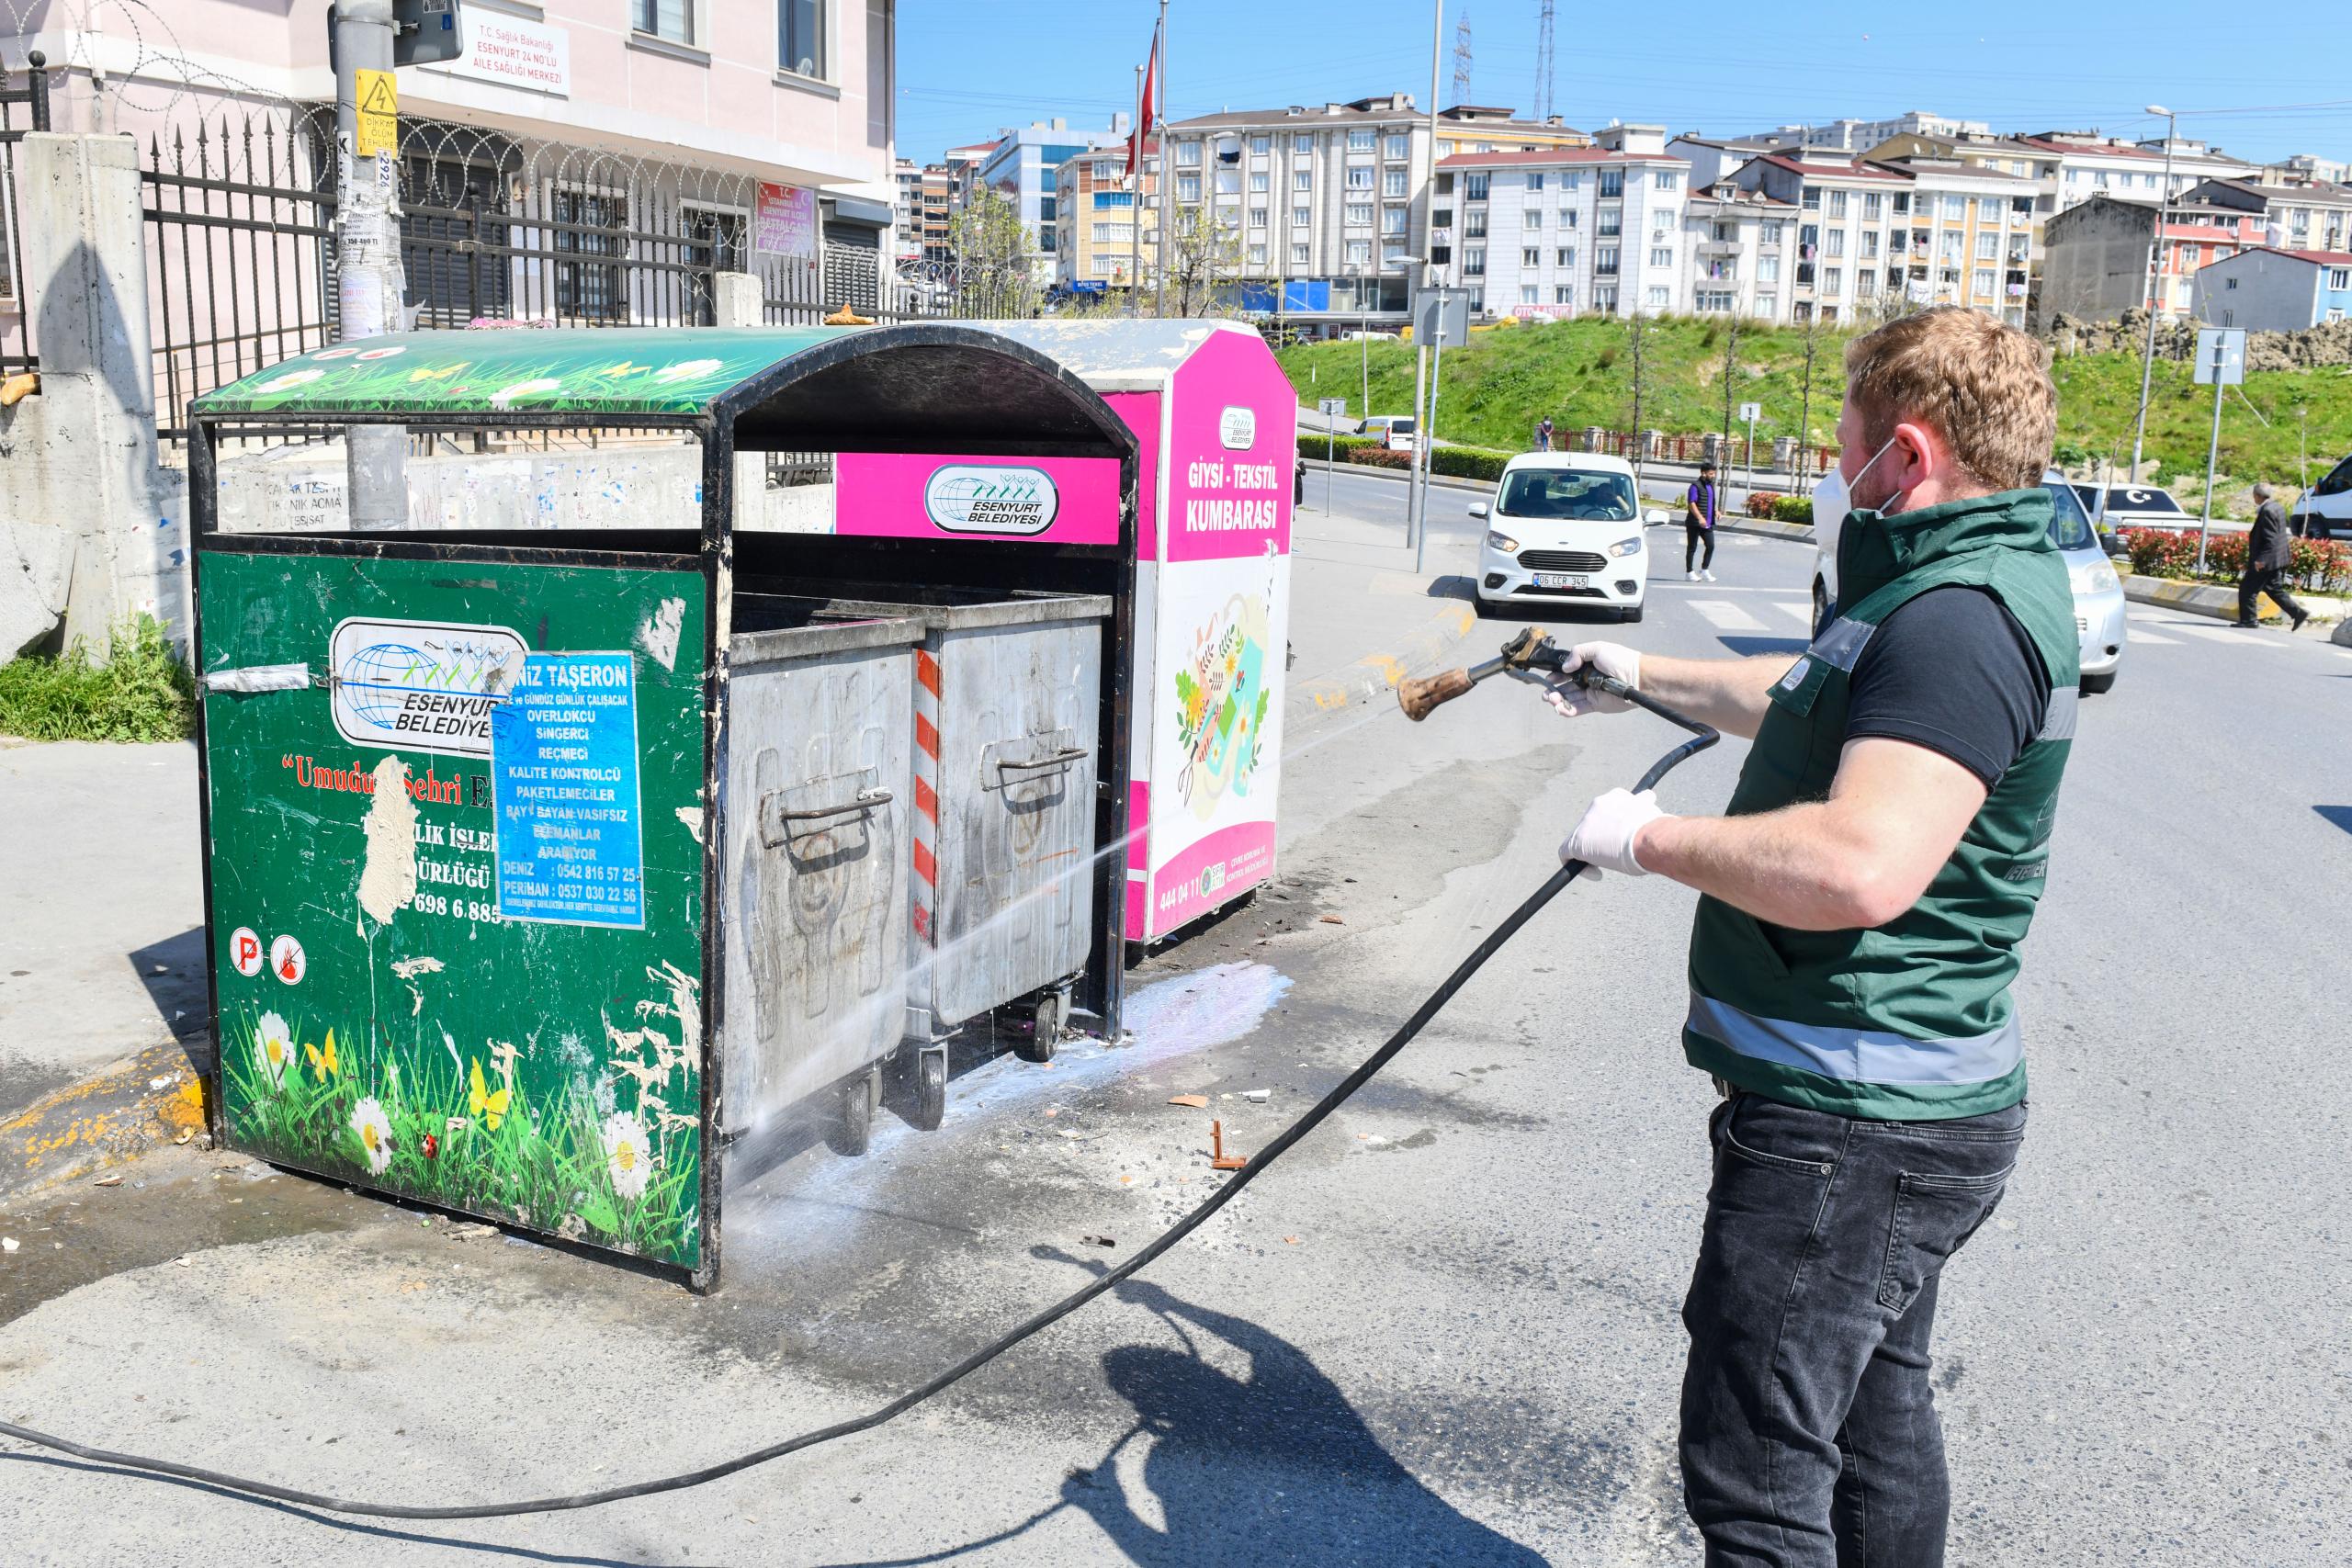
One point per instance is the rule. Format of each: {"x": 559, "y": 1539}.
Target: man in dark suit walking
{"x": 2270, "y": 551}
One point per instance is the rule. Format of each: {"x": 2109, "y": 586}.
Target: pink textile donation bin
{"x": 1216, "y": 421}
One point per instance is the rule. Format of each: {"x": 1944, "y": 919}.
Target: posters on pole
{"x": 785, "y": 224}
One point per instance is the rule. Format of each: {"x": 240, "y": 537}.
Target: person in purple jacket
{"x": 1699, "y": 525}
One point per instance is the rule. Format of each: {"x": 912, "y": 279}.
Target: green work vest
{"x": 1910, "y": 1021}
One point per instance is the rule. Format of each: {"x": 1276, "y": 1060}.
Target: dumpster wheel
{"x": 1038, "y": 1022}
{"x": 927, "y": 1079}
{"x": 853, "y": 1126}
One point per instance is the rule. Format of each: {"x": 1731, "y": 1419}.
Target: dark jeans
{"x": 1809, "y": 1430}
{"x": 1692, "y": 534}
{"x": 2270, "y": 580}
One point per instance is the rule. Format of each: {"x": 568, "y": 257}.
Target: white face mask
{"x": 1854, "y": 485}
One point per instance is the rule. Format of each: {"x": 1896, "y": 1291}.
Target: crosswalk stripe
{"x": 2156, "y": 638}
{"x": 2232, "y": 635}
{"x": 1725, "y": 615}
{"x": 1800, "y": 608}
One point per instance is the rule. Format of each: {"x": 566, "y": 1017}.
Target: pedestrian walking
{"x": 2270, "y": 551}
{"x": 1699, "y": 525}
{"x": 1863, "y": 904}
{"x": 1544, "y": 433}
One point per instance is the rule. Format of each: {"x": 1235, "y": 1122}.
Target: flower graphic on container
{"x": 374, "y": 1131}
{"x": 1222, "y": 698}
{"x": 685, "y": 370}
{"x": 273, "y": 1048}
{"x": 287, "y": 382}
{"x": 626, "y": 1155}
{"x": 504, "y": 397}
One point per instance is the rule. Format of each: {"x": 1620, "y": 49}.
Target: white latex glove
{"x": 1613, "y": 659}
{"x": 1604, "y": 839}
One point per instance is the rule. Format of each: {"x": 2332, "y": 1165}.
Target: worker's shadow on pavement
{"x": 1277, "y": 1455}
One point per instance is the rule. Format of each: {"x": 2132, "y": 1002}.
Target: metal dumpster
{"x": 537, "y": 863}
{"x": 1006, "y": 733}
{"x": 820, "y": 777}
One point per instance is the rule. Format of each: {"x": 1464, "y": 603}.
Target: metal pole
{"x": 367, "y": 259}
{"x": 1417, "y": 476}
{"x": 1167, "y": 166}
{"x": 1428, "y": 432}
{"x": 1135, "y": 208}
{"x": 1363, "y": 342}
{"x": 2212, "y": 452}
{"x": 2148, "y": 355}
{"x": 1327, "y": 465}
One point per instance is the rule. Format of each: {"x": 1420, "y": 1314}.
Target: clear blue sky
{"x": 967, "y": 67}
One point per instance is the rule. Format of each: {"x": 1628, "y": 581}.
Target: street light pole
{"x": 367, "y": 272}
{"x": 2156, "y": 259}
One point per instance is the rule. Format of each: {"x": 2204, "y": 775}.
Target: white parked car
{"x": 1393, "y": 431}
{"x": 1566, "y": 528}
{"x": 2328, "y": 502}
{"x": 2099, "y": 592}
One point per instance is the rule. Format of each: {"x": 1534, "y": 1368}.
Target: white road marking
{"x": 2156, "y": 638}
{"x": 1725, "y": 615}
{"x": 2232, "y": 635}
{"x": 1801, "y": 609}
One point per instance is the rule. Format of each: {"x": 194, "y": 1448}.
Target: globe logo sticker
{"x": 991, "y": 498}
{"x": 421, "y": 685}
{"x": 286, "y": 960}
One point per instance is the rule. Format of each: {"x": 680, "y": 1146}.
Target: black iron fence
{"x": 17, "y": 351}
{"x": 241, "y": 205}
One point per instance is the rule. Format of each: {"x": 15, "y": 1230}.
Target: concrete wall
{"x": 91, "y": 528}
{"x": 2096, "y": 262}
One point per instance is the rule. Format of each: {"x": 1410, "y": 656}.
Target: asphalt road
{"x": 1444, "y": 1330}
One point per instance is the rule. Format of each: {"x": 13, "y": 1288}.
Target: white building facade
{"x": 1567, "y": 232}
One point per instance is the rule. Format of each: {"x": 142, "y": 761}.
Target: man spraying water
{"x": 1863, "y": 905}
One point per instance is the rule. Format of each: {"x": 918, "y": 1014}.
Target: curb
{"x": 118, "y": 1115}
{"x": 1310, "y": 704}
{"x": 2215, "y": 600}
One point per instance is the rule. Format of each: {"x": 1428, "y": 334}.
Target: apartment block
{"x": 1569, "y": 229}
{"x": 1928, "y": 231}
{"x": 2297, "y": 213}
{"x": 1737, "y": 244}
{"x": 1862, "y": 135}
{"x": 1325, "y": 206}
{"x": 1023, "y": 168}
{"x": 1098, "y": 247}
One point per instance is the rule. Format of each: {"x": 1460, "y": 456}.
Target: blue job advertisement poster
{"x": 563, "y": 776}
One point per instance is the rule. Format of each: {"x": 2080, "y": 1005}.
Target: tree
{"x": 994, "y": 277}
{"x": 1637, "y": 368}
{"x": 1203, "y": 260}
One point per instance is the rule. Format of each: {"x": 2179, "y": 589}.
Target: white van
{"x": 2329, "y": 501}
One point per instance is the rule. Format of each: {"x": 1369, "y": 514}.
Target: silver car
{"x": 2099, "y": 592}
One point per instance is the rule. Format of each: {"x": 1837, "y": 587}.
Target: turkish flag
{"x": 1142, "y": 130}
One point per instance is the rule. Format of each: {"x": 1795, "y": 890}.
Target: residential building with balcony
{"x": 2297, "y": 213}
{"x": 934, "y": 215}
{"x": 2265, "y": 290}
{"x": 1738, "y": 244}
{"x": 1851, "y": 232}
{"x": 2096, "y": 256}
{"x": 2088, "y": 164}
{"x": 1023, "y": 168}
{"x": 1566, "y": 230}
{"x": 1325, "y": 206}
{"x": 1098, "y": 247}
{"x": 1972, "y": 241}
{"x": 906, "y": 222}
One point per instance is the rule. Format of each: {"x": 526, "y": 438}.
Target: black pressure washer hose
{"x": 1702, "y": 736}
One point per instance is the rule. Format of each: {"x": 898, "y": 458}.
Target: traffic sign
{"x": 2220, "y": 356}
{"x": 1336, "y": 408}
{"x": 1751, "y": 412}
{"x": 1442, "y": 316}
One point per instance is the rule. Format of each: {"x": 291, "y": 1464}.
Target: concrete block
{"x": 36, "y": 564}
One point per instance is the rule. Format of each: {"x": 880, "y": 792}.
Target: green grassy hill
{"x": 1581, "y": 372}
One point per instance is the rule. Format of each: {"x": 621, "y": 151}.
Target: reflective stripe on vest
{"x": 1859, "y": 1056}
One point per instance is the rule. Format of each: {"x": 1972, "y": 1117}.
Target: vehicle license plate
{"x": 1562, "y": 579}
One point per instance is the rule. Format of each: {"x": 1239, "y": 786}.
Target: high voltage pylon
{"x": 1544, "y": 109}
{"x": 1462, "y": 60}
